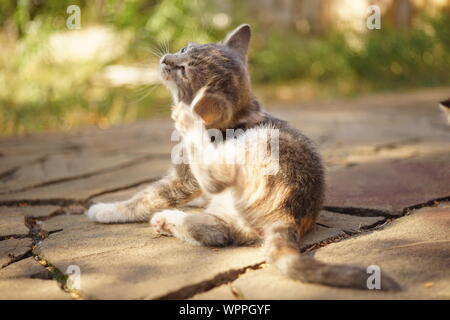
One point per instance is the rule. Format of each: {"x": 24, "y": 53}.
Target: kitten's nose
{"x": 165, "y": 60}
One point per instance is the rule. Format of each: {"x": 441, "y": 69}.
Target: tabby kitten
{"x": 275, "y": 200}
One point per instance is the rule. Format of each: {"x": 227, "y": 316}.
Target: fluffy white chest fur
{"x": 223, "y": 203}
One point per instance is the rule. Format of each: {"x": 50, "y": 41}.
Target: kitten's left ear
{"x": 214, "y": 109}
{"x": 239, "y": 39}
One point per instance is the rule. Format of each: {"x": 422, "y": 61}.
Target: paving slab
{"x": 386, "y": 152}
{"x": 11, "y": 249}
{"x": 413, "y": 249}
{"x": 347, "y": 222}
{"x": 378, "y": 119}
{"x": 38, "y": 159}
{"x": 12, "y": 218}
{"x": 131, "y": 259}
{"x": 14, "y": 240}
{"x": 19, "y": 281}
{"x": 84, "y": 188}
{"x": 65, "y": 167}
{"x": 119, "y": 195}
{"x": 12, "y": 221}
{"x": 390, "y": 185}
{"x": 131, "y": 137}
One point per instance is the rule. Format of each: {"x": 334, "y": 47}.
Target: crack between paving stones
{"x": 60, "y": 277}
{"x": 230, "y": 276}
{"x": 322, "y": 225}
{"x": 206, "y": 285}
{"x": 375, "y": 150}
{"x": 361, "y": 212}
{"x": 65, "y": 202}
{"x": 14, "y": 236}
{"x": 23, "y": 236}
{"x": 84, "y": 175}
{"x": 396, "y": 144}
{"x": 9, "y": 173}
{"x": 25, "y": 255}
{"x": 70, "y": 210}
{"x": 122, "y": 188}
{"x": 219, "y": 279}
{"x": 429, "y": 203}
{"x": 38, "y": 234}
{"x": 233, "y": 274}
{"x": 18, "y": 258}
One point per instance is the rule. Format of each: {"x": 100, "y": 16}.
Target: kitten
{"x": 275, "y": 200}
{"x": 445, "y": 107}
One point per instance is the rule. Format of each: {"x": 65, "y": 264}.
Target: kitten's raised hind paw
{"x": 104, "y": 213}
{"x": 165, "y": 222}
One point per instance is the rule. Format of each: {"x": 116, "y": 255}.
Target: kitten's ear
{"x": 239, "y": 39}
{"x": 214, "y": 109}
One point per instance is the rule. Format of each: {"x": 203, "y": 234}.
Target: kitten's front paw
{"x": 166, "y": 222}
{"x": 184, "y": 119}
{"x": 105, "y": 213}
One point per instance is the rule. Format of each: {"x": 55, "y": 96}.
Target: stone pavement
{"x": 388, "y": 204}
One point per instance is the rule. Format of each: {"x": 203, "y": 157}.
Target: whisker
{"x": 163, "y": 47}
{"x": 157, "y": 48}
{"x": 146, "y": 94}
{"x": 160, "y": 48}
{"x": 143, "y": 88}
{"x": 167, "y": 45}
{"x": 155, "y": 52}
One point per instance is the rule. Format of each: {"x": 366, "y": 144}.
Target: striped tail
{"x": 282, "y": 251}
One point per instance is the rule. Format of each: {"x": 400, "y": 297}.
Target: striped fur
{"x": 275, "y": 200}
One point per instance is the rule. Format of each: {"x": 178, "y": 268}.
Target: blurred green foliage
{"x": 37, "y": 93}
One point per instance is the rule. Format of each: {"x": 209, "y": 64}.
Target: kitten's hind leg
{"x": 200, "y": 229}
{"x": 282, "y": 251}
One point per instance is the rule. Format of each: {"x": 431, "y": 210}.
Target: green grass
{"x": 38, "y": 94}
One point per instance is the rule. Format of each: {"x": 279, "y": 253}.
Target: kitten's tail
{"x": 282, "y": 251}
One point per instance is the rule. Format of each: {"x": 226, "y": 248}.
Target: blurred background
{"x": 103, "y": 74}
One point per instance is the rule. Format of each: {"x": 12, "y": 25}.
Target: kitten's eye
{"x": 183, "y": 50}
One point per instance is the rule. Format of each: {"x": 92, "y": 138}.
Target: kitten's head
{"x": 211, "y": 78}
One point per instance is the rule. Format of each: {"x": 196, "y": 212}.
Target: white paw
{"x": 167, "y": 222}
{"x": 105, "y": 213}
{"x": 185, "y": 119}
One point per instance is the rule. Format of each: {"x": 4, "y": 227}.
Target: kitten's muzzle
{"x": 164, "y": 60}
{"x": 166, "y": 66}
{"x": 169, "y": 63}
{"x": 168, "y": 60}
